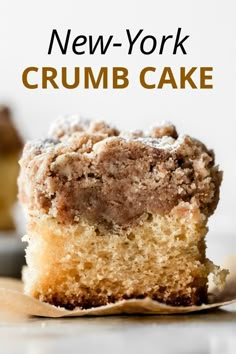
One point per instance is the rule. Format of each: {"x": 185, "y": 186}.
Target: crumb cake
{"x": 10, "y": 148}
{"x": 115, "y": 215}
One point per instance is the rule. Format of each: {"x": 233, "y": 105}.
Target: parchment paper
{"x": 13, "y": 299}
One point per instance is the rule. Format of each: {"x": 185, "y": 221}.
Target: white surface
{"x": 212, "y": 333}
{"x": 25, "y": 30}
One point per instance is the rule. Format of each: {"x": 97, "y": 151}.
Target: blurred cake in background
{"x": 10, "y": 148}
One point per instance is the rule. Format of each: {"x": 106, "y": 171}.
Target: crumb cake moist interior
{"x": 115, "y": 215}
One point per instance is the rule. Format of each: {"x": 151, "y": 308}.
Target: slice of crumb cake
{"x": 115, "y": 216}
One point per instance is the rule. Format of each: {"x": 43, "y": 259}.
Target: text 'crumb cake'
{"x": 115, "y": 216}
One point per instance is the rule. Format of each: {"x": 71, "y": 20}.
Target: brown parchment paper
{"x": 13, "y": 299}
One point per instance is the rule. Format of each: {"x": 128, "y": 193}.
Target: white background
{"x": 209, "y": 115}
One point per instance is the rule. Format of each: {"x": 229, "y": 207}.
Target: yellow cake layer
{"x": 83, "y": 265}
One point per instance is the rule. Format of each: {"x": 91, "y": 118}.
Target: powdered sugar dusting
{"x": 66, "y": 125}
{"x": 162, "y": 124}
{"x": 62, "y": 133}
{"x": 40, "y": 145}
{"x": 165, "y": 143}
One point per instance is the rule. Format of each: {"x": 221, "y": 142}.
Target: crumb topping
{"x": 91, "y": 170}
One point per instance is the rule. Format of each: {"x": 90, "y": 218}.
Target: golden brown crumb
{"x": 164, "y": 129}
